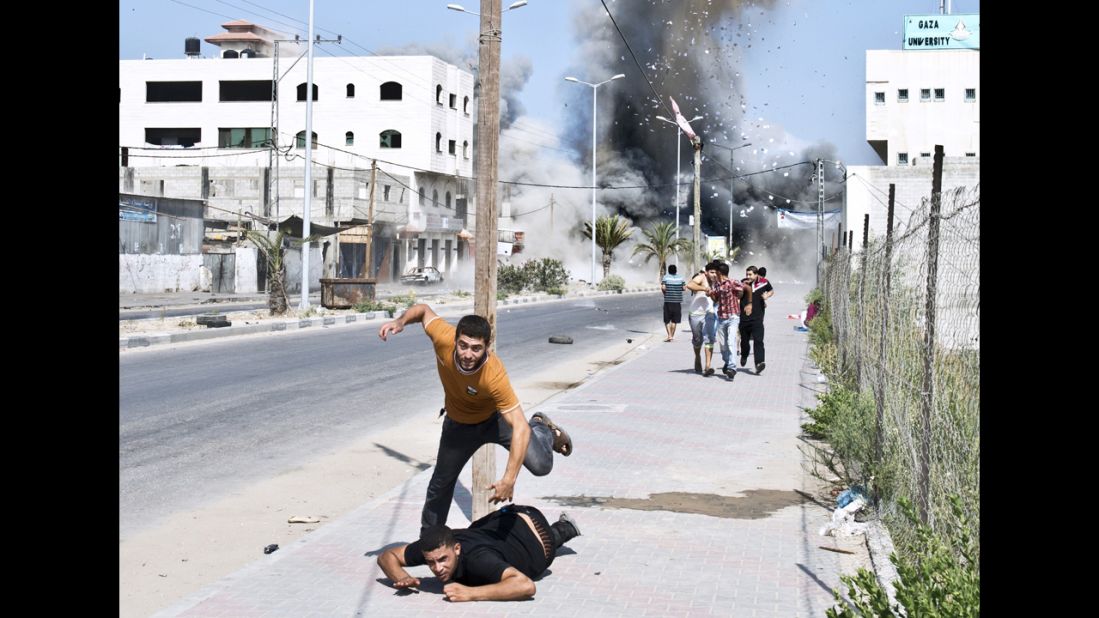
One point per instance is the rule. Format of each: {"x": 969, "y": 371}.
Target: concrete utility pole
{"x": 484, "y": 285}
{"x": 308, "y": 169}
{"x": 696, "y": 255}
{"x": 368, "y": 272}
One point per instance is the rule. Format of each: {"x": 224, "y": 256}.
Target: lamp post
{"x": 461, "y": 9}
{"x": 594, "y": 98}
{"x": 678, "y": 158}
{"x": 730, "y": 248}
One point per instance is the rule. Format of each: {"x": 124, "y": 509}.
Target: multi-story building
{"x": 215, "y": 129}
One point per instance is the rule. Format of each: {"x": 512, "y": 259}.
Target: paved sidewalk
{"x": 648, "y": 426}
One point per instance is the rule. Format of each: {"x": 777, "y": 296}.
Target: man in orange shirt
{"x": 481, "y": 408}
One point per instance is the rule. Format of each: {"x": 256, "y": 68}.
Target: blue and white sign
{"x": 137, "y": 209}
{"x": 942, "y": 31}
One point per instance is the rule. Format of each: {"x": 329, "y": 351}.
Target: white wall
{"x": 151, "y": 274}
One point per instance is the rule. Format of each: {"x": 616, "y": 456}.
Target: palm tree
{"x": 609, "y": 233}
{"x": 661, "y": 244}
{"x": 272, "y": 250}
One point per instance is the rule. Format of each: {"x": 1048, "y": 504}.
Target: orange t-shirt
{"x": 470, "y": 398}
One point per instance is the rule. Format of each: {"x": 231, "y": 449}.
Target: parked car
{"x": 423, "y": 275}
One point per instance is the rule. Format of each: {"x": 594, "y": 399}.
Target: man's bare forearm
{"x": 391, "y": 565}
{"x": 413, "y": 314}
{"x": 520, "y": 440}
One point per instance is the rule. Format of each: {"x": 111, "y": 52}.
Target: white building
{"x": 202, "y": 128}
{"x": 916, "y": 99}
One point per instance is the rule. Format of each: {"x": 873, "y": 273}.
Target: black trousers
{"x": 752, "y": 332}
{"x": 457, "y": 444}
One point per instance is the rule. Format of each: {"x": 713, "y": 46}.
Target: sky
{"x": 805, "y": 73}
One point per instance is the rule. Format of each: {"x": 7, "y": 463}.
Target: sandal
{"x": 562, "y": 443}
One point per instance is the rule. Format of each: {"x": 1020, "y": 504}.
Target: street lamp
{"x": 678, "y": 158}
{"x": 594, "y": 97}
{"x": 461, "y": 9}
{"x": 731, "y": 187}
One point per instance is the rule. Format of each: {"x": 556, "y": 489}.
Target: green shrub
{"x": 612, "y": 283}
{"x": 369, "y": 306}
{"x": 509, "y": 280}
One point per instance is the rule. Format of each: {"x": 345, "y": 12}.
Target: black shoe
{"x": 760, "y": 367}
{"x": 729, "y": 372}
{"x": 564, "y": 530}
{"x": 709, "y": 372}
{"x": 743, "y": 360}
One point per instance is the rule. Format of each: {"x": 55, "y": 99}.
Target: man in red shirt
{"x": 726, "y": 295}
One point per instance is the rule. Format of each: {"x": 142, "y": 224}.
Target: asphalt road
{"x": 200, "y": 421}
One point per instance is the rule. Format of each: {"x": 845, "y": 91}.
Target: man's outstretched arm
{"x": 520, "y": 440}
{"x": 415, "y": 313}
{"x": 392, "y": 563}
{"x": 513, "y": 586}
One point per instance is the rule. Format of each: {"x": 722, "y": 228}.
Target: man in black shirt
{"x": 751, "y": 325}
{"x": 492, "y": 560}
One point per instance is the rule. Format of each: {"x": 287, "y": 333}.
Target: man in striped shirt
{"x": 672, "y": 287}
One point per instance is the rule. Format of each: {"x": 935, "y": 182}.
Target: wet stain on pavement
{"x": 755, "y": 504}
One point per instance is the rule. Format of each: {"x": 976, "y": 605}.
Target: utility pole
{"x": 820, "y": 216}
{"x": 369, "y": 268}
{"x": 484, "y": 286}
{"x": 308, "y": 169}
{"x": 551, "y": 215}
{"x": 696, "y": 256}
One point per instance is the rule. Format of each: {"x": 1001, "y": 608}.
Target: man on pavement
{"x": 495, "y": 559}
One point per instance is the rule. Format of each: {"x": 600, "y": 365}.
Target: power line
{"x": 659, "y": 97}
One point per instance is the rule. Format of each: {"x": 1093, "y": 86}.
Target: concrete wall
{"x": 868, "y": 191}
{"x": 150, "y": 274}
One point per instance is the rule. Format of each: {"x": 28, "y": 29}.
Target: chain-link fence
{"x": 905, "y": 313}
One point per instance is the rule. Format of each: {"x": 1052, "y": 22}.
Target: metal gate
{"x": 222, "y": 267}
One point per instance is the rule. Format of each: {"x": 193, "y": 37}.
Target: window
{"x": 173, "y": 137}
{"x": 246, "y": 90}
{"x": 230, "y": 53}
{"x": 391, "y": 91}
{"x": 902, "y": 95}
{"x": 925, "y": 94}
{"x": 438, "y": 142}
{"x": 349, "y": 138}
{"x": 940, "y": 94}
{"x": 301, "y": 92}
{"x": 435, "y": 197}
{"x": 423, "y": 196}
{"x": 173, "y": 92}
{"x": 925, "y": 154}
{"x": 364, "y": 187}
{"x": 254, "y": 137}
{"x": 879, "y": 98}
{"x": 439, "y": 94}
{"x": 970, "y": 94}
{"x": 465, "y": 106}
{"x": 465, "y": 148}
{"x": 385, "y": 192}
{"x": 452, "y": 146}
{"x": 453, "y": 101}
{"x": 299, "y": 141}
{"x": 902, "y": 158}
{"x": 351, "y": 91}
{"x": 390, "y": 139}
{"x": 970, "y": 154}
{"x": 448, "y": 199}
